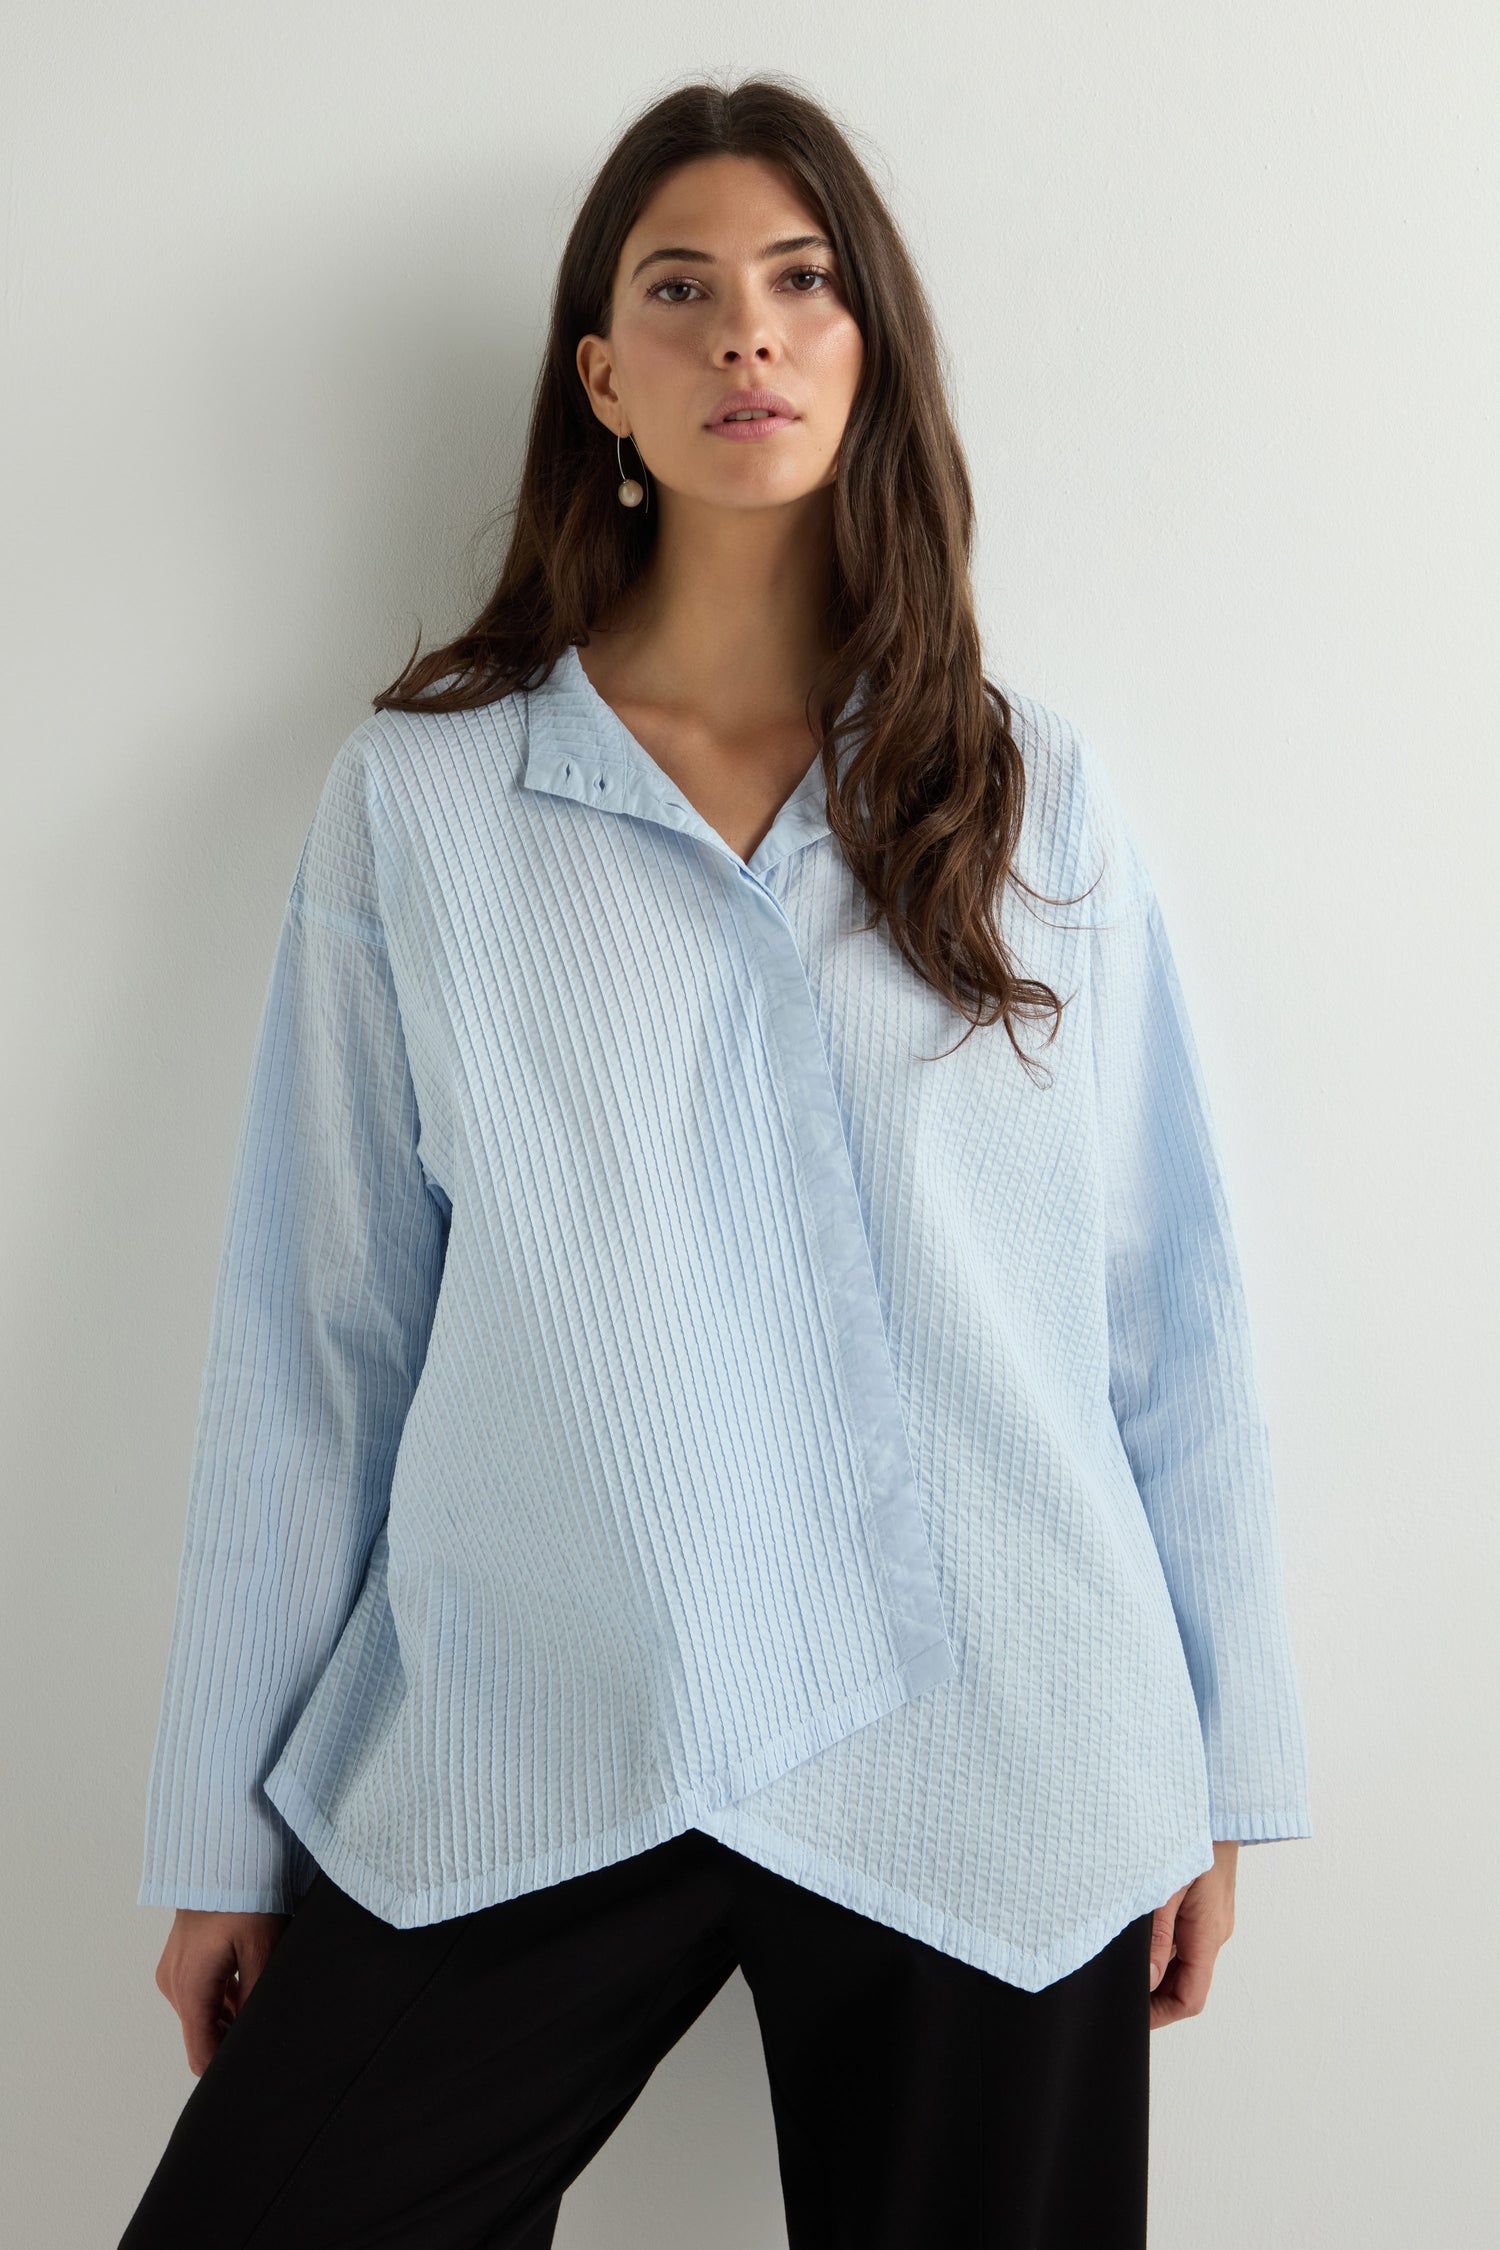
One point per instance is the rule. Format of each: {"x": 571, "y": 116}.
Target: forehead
{"x": 740, "y": 200}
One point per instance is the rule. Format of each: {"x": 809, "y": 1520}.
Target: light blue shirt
{"x": 643, "y": 1393}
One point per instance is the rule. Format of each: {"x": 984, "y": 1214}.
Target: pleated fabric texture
{"x": 644, "y": 1391}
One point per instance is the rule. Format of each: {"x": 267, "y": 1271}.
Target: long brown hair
{"x": 928, "y": 813}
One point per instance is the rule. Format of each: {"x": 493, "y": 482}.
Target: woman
{"x": 703, "y": 1460}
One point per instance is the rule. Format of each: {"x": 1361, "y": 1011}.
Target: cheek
{"x": 658, "y": 362}
{"x": 836, "y": 354}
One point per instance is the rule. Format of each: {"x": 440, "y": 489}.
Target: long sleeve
{"x": 1182, "y": 1379}
{"x": 329, "y": 1269}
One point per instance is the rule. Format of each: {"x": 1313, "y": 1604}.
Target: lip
{"x": 780, "y": 415}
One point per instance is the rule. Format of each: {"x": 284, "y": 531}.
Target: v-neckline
{"x": 801, "y": 817}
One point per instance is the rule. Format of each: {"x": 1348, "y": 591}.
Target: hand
{"x": 207, "y": 1970}
{"x": 1186, "y": 1935}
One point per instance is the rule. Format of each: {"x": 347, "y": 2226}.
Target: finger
{"x": 1163, "y": 1930}
{"x": 200, "y": 2001}
{"x": 1184, "y": 1989}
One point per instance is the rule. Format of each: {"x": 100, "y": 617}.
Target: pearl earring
{"x": 630, "y": 494}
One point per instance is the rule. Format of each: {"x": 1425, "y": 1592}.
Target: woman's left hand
{"x": 1186, "y": 1935}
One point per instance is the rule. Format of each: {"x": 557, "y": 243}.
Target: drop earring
{"x": 630, "y": 493}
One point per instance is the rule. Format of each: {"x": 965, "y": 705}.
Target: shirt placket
{"x": 597, "y": 762}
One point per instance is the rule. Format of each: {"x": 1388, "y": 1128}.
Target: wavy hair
{"x": 928, "y": 811}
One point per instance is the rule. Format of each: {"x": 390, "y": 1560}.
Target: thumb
{"x": 1163, "y": 1926}
{"x": 253, "y": 1947}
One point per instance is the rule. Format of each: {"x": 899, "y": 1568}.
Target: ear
{"x": 596, "y": 371}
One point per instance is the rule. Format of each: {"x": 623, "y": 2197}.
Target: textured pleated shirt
{"x": 651, "y": 1384}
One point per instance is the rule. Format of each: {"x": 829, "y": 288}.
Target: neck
{"x": 728, "y": 615}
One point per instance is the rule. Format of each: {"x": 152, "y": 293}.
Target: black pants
{"x": 438, "y": 2088}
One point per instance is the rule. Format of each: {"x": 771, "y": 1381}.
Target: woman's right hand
{"x": 208, "y": 1969}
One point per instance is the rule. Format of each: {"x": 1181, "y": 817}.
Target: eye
{"x": 816, "y": 274}
{"x": 658, "y": 286}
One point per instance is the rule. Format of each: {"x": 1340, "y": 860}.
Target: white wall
{"x": 1219, "y": 288}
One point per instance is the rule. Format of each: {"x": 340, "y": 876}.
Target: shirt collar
{"x": 577, "y": 746}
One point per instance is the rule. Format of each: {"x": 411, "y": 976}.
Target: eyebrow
{"x": 706, "y": 258}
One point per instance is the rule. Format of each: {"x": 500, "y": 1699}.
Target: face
{"x": 726, "y": 285}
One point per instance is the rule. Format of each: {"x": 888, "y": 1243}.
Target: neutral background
{"x": 1219, "y": 290}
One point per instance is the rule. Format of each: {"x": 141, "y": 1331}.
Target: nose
{"x": 747, "y": 327}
